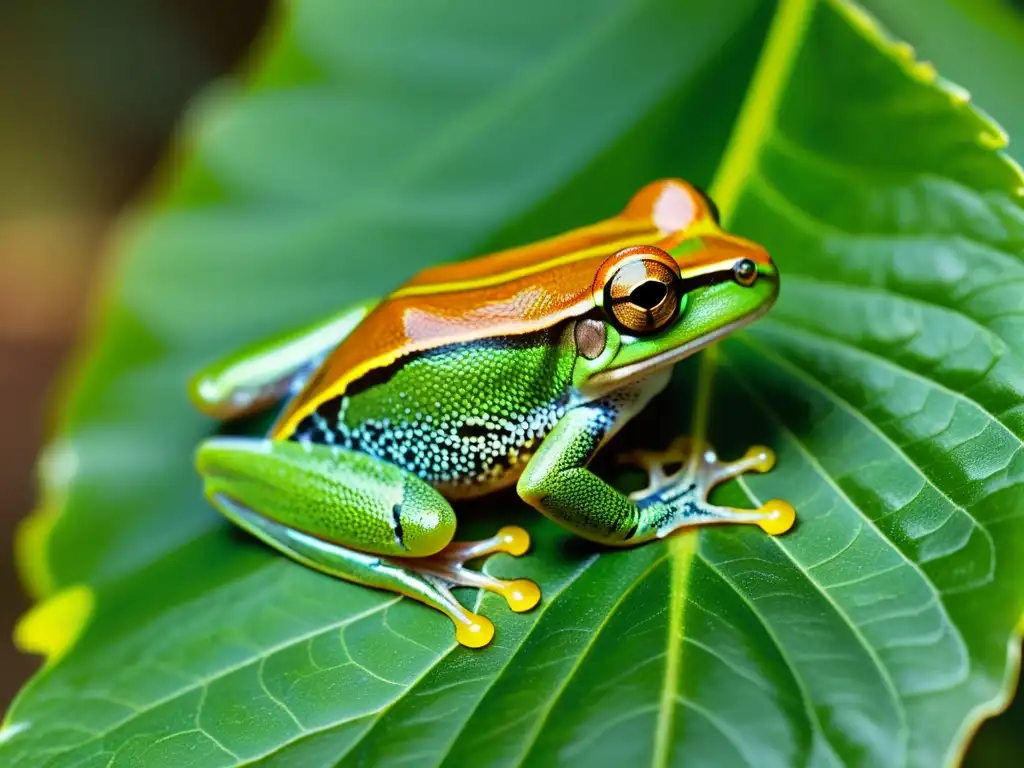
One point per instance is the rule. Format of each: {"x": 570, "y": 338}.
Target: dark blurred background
{"x": 89, "y": 95}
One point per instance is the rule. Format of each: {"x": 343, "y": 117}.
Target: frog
{"x": 508, "y": 369}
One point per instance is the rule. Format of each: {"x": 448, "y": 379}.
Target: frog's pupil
{"x": 648, "y": 294}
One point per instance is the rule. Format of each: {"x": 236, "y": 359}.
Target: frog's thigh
{"x": 359, "y": 519}
{"x": 340, "y": 496}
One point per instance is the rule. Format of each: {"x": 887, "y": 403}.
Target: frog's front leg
{"x": 558, "y": 484}
{"x": 359, "y": 519}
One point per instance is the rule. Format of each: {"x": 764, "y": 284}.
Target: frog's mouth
{"x": 616, "y": 378}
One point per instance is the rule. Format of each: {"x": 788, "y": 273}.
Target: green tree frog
{"x": 512, "y": 368}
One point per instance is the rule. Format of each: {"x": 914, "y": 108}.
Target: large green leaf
{"x": 980, "y": 45}
{"x": 374, "y": 139}
{"x": 977, "y": 43}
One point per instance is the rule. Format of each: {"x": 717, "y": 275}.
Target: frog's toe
{"x": 779, "y": 517}
{"x": 698, "y": 464}
{"x": 761, "y": 457}
{"x": 475, "y": 632}
{"x": 654, "y": 462}
{"x": 774, "y": 517}
{"x": 511, "y": 539}
{"x": 758, "y": 458}
{"x": 448, "y": 569}
{"x": 521, "y": 594}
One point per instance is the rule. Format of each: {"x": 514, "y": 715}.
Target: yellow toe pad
{"x": 476, "y": 633}
{"x": 779, "y": 517}
{"x": 514, "y": 540}
{"x": 522, "y": 595}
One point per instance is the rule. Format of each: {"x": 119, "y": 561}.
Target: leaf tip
{"x": 51, "y": 628}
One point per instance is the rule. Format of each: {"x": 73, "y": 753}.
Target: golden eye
{"x": 744, "y": 272}
{"x": 642, "y": 295}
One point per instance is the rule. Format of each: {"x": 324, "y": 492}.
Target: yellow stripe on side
{"x": 636, "y": 237}
{"x": 610, "y": 246}
{"x": 664, "y": 213}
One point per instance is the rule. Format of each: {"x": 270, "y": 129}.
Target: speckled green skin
{"x": 356, "y": 488}
{"x": 464, "y": 418}
{"x": 373, "y": 468}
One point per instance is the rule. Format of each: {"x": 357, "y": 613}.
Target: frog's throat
{"x": 616, "y": 378}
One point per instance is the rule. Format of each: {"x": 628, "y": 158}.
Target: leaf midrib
{"x": 790, "y": 20}
{"x": 754, "y": 123}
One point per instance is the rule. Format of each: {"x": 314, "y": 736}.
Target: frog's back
{"x": 509, "y": 294}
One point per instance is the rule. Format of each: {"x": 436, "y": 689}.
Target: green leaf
{"x": 977, "y": 43}
{"x": 980, "y": 45}
{"x": 372, "y": 141}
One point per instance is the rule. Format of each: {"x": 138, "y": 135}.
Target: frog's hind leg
{"x": 359, "y": 519}
{"x": 391, "y": 574}
{"x": 685, "y": 490}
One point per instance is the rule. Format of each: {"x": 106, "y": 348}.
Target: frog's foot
{"x": 447, "y": 569}
{"x": 658, "y": 464}
{"x": 683, "y": 492}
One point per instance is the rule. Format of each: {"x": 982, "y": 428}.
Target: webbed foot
{"x": 299, "y": 500}
{"x": 447, "y": 569}
{"x": 682, "y": 493}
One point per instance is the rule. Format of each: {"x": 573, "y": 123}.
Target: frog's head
{"x": 656, "y": 306}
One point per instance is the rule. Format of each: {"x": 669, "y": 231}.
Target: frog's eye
{"x": 744, "y": 272}
{"x": 642, "y": 295}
